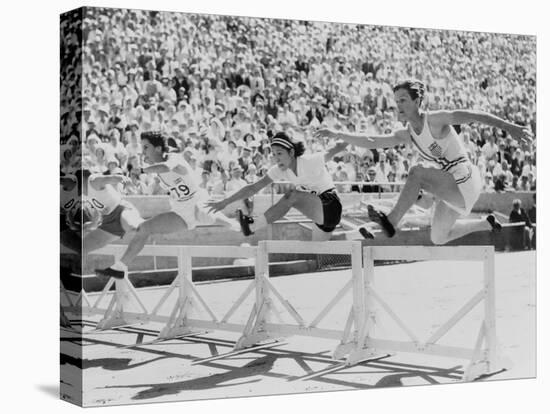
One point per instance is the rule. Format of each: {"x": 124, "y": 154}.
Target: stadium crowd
{"x": 221, "y": 86}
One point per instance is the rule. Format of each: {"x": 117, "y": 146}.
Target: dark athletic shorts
{"x": 332, "y": 210}
{"x": 111, "y": 222}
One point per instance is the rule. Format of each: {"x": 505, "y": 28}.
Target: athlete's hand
{"x": 325, "y": 133}
{"x": 215, "y": 206}
{"x": 341, "y": 145}
{"x": 126, "y": 180}
{"x": 93, "y": 217}
{"x": 522, "y": 133}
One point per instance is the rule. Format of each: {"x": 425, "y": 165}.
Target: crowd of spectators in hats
{"x": 219, "y": 87}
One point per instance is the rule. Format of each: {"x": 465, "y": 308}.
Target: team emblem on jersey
{"x": 436, "y": 149}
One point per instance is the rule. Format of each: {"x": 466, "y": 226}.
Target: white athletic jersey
{"x": 312, "y": 174}
{"x": 104, "y": 201}
{"x": 181, "y": 187}
{"x": 446, "y": 152}
{"x": 69, "y": 199}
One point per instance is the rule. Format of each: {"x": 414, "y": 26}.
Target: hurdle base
{"x": 364, "y": 355}
{"x": 254, "y": 339}
{"x": 175, "y": 332}
{"x": 482, "y": 369}
{"x": 343, "y": 350}
{"x": 117, "y": 320}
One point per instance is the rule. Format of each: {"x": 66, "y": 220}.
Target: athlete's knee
{"x": 144, "y": 228}
{"x": 134, "y": 225}
{"x": 416, "y": 172}
{"x": 290, "y": 194}
{"x": 439, "y": 237}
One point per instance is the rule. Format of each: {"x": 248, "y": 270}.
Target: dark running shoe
{"x": 110, "y": 272}
{"x": 365, "y": 233}
{"x": 495, "y": 224}
{"x": 382, "y": 220}
{"x": 245, "y": 222}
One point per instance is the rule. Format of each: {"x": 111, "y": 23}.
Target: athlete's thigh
{"x": 444, "y": 218}
{"x": 97, "y": 239}
{"x": 130, "y": 219}
{"x": 442, "y": 185}
{"x": 310, "y": 205}
{"x": 164, "y": 223}
{"x": 71, "y": 240}
{"x": 319, "y": 235}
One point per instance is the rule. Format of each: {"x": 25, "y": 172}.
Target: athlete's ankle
{"x": 118, "y": 265}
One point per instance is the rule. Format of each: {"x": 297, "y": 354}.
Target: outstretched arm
{"x": 245, "y": 192}
{"x": 100, "y": 181}
{"x": 465, "y": 116}
{"x": 164, "y": 167}
{"x": 339, "y": 147}
{"x": 398, "y": 137}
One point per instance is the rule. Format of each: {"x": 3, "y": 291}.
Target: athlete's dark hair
{"x": 157, "y": 139}
{"x": 283, "y": 140}
{"x": 82, "y": 176}
{"x": 415, "y": 88}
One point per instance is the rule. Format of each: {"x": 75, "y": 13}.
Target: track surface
{"x": 424, "y": 294}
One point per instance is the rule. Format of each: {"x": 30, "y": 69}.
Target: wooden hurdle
{"x": 481, "y": 357}
{"x": 191, "y": 315}
{"x": 261, "y": 325}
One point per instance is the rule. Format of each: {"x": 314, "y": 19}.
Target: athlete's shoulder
{"x": 440, "y": 116}
{"x": 175, "y": 159}
{"x": 274, "y": 172}
{"x": 95, "y": 176}
{"x": 314, "y": 156}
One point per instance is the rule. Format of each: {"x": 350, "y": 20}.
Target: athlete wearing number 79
{"x": 187, "y": 201}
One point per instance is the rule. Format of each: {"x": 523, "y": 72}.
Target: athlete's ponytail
{"x": 283, "y": 140}
{"x": 157, "y": 139}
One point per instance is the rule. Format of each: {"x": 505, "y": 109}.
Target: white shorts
{"x": 468, "y": 179}
{"x": 193, "y": 211}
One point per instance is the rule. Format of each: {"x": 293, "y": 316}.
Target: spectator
{"x": 136, "y": 185}
{"x": 178, "y": 77}
{"x": 371, "y": 177}
{"x": 490, "y": 148}
{"x": 500, "y": 183}
{"x": 523, "y": 183}
{"x": 488, "y": 183}
{"x": 519, "y": 235}
{"x": 206, "y": 182}
{"x": 532, "y": 214}
{"x": 528, "y": 165}
{"x": 245, "y": 159}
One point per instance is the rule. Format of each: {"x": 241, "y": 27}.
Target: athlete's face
{"x": 151, "y": 154}
{"x": 406, "y": 106}
{"x": 283, "y": 157}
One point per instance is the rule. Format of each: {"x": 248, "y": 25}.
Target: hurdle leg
{"x": 363, "y": 282}
{"x": 490, "y": 309}
{"x": 484, "y": 361}
{"x": 346, "y": 344}
{"x": 114, "y": 316}
{"x": 188, "y": 296}
{"x": 477, "y": 366}
{"x": 254, "y": 330}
